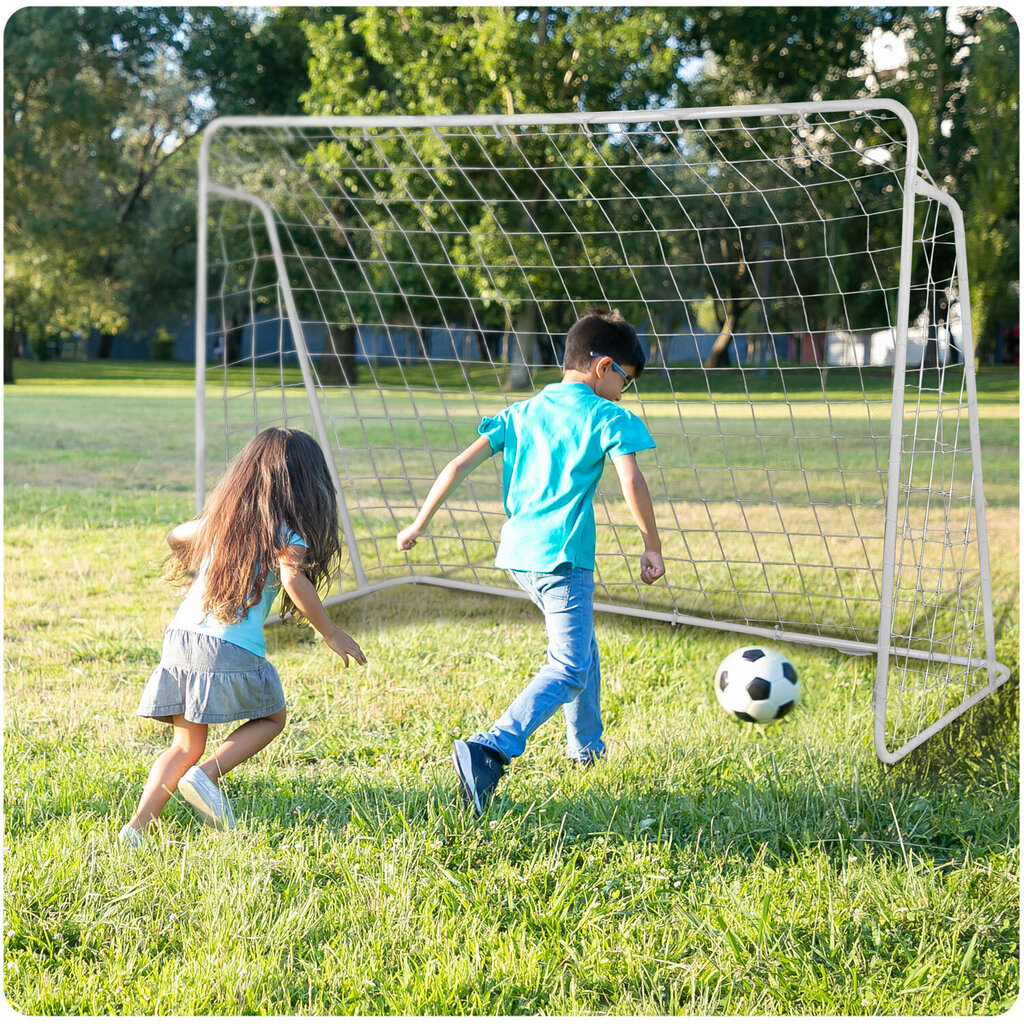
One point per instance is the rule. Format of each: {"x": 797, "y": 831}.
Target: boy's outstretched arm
{"x": 447, "y": 480}
{"x": 638, "y": 498}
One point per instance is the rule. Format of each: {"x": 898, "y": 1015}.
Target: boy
{"x": 554, "y": 446}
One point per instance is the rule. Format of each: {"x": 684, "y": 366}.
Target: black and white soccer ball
{"x": 757, "y": 684}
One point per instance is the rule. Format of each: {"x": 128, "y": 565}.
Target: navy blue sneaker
{"x": 479, "y": 770}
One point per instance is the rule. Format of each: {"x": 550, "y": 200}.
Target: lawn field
{"x": 705, "y": 867}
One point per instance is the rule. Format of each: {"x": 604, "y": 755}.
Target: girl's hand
{"x": 651, "y": 566}
{"x": 407, "y": 538}
{"x": 345, "y": 647}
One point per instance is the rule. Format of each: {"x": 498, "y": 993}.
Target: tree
{"x": 101, "y": 106}
{"x": 503, "y": 60}
{"x": 422, "y": 60}
{"x": 991, "y": 176}
{"x": 250, "y": 60}
{"x": 766, "y": 55}
{"x": 56, "y": 93}
{"x": 962, "y": 85}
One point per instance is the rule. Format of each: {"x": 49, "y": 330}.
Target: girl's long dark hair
{"x": 280, "y": 477}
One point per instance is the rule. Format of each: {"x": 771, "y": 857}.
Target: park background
{"x": 105, "y": 105}
{"x": 706, "y": 868}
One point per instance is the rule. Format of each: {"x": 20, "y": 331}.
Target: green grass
{"x": 707, "y": 867}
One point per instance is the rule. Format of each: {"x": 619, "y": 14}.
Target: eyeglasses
{"x": 618, "y": 369}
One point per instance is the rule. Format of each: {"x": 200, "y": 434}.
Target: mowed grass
{"x": 706, "y": 867}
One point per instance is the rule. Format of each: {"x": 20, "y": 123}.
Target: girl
{"x": 270, "y": 523}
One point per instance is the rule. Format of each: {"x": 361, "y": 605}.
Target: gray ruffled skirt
{"x": 209, "y": 680}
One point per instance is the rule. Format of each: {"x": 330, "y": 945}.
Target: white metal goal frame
{"x": 960, "y": 664}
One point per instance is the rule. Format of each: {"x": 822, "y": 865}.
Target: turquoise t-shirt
{"x": 248, "y": 633}
{"x": 554, "y": 446}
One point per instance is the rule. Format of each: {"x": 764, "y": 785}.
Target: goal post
{"x": 798, "y": 282}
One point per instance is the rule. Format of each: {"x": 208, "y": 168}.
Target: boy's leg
{"x": 583, "y": 727}
{"x": 567, "y": 600}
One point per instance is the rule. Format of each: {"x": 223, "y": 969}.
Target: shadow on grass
{"x": 947, "y": 808}
{"x": 981, "y": 745}
{"x": 946, "y": 817}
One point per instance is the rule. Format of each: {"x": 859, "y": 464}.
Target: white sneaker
{"x": 205, "y": 796}
{"x": 131, "y": 836}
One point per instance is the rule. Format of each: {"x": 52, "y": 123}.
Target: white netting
{"x": 431, "y": 271}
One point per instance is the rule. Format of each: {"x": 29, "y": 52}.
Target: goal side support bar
{"x": 997, "y": 673}
{"x": 301, "y": 350}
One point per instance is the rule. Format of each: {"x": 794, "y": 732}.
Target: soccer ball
{"x": 757, "y": 684}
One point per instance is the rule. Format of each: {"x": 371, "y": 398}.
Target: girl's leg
{"x": 245, "y": 741}
{"x": 187, "y": 746}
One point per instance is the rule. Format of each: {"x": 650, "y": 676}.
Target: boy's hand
{"x": 407, "y": 538}
{"x": 345, "y": 647}
{"x": 651, "y": 566}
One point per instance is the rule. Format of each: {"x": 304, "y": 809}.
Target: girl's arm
{"x": 447, "y": 480}
{"x": 307, "y": 600}
{"x": 638, "y": 498}
{"x": 183, "y": 533}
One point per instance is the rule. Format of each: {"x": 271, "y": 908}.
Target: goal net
{"x": 793, "y": 272}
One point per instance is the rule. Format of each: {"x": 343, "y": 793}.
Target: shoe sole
{"x": 463, "y": 763}
{"x": 192, "y": 796}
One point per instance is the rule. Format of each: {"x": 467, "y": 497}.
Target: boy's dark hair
{"x": 606, "y": 332}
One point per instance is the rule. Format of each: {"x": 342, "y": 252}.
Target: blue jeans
{"x": 571, "y": 678}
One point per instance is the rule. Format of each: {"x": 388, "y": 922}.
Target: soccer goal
{"x": 798, "y": 281}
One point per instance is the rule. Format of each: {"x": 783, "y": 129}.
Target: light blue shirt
{"x": 553, "y": 449}
{"x": 248, "y": 633}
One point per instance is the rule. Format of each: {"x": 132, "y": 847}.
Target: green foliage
{"x": 98, "y": 171}
{"x": 962, "y": 85}
{"x": 47, "y": 295}
{"x": 991, "y": 175}
{"x": 59, "y": 101}
{"x": 779, "y": 54}
{"x": 252, "y": 60}
{"x": 497, "y": 246}
{"x": 102, "y": 105}
{"x": 500, "y": 60}
{"x": 503, "y": 60}
{"x": 493, "y": 60}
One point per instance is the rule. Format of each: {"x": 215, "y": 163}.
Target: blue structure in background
{"x": 270, "y": 338}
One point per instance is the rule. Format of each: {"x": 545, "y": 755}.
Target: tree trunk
{"x": 338, "y": 363}
{"x": 930, "y": 358}
{"x": 719, "y": 354}
{"x": 523, "y": 349}
{"x": 491, "y": 341}
{"x": 233, "y": 339}
{"x": 105, "y": 346}
{"x": 10, "y": 345}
